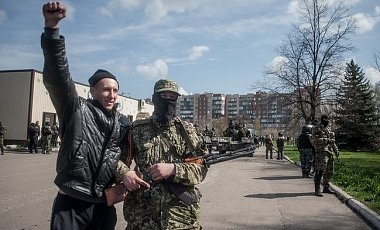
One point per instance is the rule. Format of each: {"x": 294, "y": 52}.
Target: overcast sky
{"x": 216, "y": 46}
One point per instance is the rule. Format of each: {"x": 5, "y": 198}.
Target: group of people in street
{"x": 101, "y": 148}
{"x": 236, "y": 131}
{"x": 317, "y": 147}
{"x": 47, "y": 137}
{"x": 269, "y": 146}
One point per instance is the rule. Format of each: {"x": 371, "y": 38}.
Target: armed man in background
{"x": 305, "y": 147}
{"x": 159, "y": 147}
{"x": 324, "y": 159}
{"x": 3, "y": 131}
{"x": 46, "y": 134}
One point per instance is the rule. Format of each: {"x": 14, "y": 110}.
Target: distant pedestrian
{"x": 305, "y": 148}
{"x": 46, "y": 132}
{"x": 3, "y": 130}
{"x": 54, "y": 136}
{"x": 280, "y": 142}
{"x": 38, "y": 128}
{"x": 33, "y": 138}
{"x": 256, "y": 141}
{"x": 268, "y": 146}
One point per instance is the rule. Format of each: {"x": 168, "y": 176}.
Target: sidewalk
{"x": 369, "y": 215}
{"x": 258, "y": 193}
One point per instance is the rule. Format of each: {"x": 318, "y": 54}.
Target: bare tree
{"x": 311, "y": 56}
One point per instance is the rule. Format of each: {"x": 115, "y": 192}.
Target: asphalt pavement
{"x": 258, "y": 193}
{"x": 243, "y": 193}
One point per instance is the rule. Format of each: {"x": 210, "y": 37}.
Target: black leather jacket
{"x": 90, "y": 134}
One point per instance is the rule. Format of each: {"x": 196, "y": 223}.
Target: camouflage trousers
{"x": 306, "y": 159}
{"x": 45, "y": 145}
{"x": 159, "y": 211}
{"x": 324, "y": 161}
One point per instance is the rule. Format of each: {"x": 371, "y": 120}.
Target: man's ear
{"x": 92, "y": 89}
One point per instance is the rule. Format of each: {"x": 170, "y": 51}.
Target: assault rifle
{"x": 117, "y": 193}
{"x": 213, "y": 158}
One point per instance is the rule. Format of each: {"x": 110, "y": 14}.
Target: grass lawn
{"x": 357, "y": 173}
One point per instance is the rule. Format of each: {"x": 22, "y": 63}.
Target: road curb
{"x": 368, "y": 214}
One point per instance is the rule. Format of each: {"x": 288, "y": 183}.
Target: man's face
{"x": 106, "y": 92}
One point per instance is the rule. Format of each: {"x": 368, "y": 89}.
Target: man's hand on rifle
{"x": 132, "y": 181}
{"x": 161, "y": 171}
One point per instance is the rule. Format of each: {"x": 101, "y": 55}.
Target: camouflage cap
{"x": 166, "y": 85}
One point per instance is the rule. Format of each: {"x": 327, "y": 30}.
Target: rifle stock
{"x": 115, "y": 194}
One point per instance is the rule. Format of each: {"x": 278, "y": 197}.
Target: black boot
{"x": 307, "y": 174}
{"x": 317, "y": 183}
{"x": 326, "y": 189}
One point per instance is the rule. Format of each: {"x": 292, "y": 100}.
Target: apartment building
{"x": 260, "y": 110}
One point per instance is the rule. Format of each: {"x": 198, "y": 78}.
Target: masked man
{"x": 324, "y": 160}
{"x": 160, "y": 146}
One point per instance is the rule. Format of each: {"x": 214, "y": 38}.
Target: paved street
{"x": 244, "y": 193}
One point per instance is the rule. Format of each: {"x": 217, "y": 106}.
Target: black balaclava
{"x": 325, "y": 120}
{"x": 164, "y": 109}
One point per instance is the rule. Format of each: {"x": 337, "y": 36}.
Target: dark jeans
{"x": 33, "y": 143}
{"x": 74, "y": 214}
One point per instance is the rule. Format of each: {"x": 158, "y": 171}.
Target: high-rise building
{"x": 260, "y": 110}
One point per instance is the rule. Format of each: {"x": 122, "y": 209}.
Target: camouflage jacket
{"x": 46, "y": 131}
{"x": 3, "y": 130}
{"x": 161, "y": 209}
{"x": 321, "y": 138}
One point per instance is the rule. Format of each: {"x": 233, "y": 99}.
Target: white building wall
{"x": 14, "y": 103}
{"x": 41, "y": 102}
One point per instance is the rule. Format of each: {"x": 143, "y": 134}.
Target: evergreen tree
{"x": 357, "y": 118}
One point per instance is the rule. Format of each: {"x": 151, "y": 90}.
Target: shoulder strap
{"x": 185, "y": 134}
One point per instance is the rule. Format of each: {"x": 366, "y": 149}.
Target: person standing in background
{"x": 280, "y": 142}
{"x": 268, "y": 146}
{"x": 33, "y": 138}
{"x": 305, "y": 147}
{"x": 3, "y": 131}
{"x": 46, "y": 134}
{"x": 324, "y": 159}
{"x": 54, "y": 136}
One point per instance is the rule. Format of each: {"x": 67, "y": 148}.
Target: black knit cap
{"x": 99, "y": 75}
